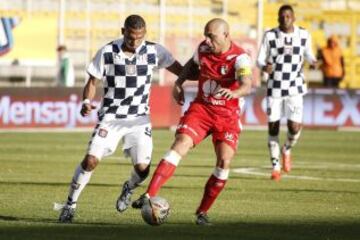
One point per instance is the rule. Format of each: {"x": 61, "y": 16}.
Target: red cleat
{"x": 275, "y": 175}
{"x": 286, "y": 161}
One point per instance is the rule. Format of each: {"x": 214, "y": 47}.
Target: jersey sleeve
{"x": 165, "y": 58}
{"x": 243, "y": 66}
{"x": 263, "y": 52}
{"x": 308, "y": 54}
{"x": 96, "y": 66}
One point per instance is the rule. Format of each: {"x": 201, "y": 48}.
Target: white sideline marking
{"x": 58, "y": 206}
{"x": 254, "y": 171}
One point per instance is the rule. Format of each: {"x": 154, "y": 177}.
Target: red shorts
{"x": 199, "y": 121}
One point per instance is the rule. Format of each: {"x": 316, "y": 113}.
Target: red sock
{"x": 212, "y": 189}
{"x": 162, "y": 173}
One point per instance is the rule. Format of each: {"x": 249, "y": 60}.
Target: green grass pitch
{"x": 319, "y": 200}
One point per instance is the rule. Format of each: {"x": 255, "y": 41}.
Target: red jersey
{"x": 220, "y": 71}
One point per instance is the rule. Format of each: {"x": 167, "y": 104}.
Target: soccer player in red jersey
{"x": 224, "y": 76}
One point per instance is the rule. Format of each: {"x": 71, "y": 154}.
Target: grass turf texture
{"x": 36, "y": 168}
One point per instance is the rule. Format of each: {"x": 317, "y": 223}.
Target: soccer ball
{"x": 155, "y": 211}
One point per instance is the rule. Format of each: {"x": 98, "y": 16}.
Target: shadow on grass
{"x": 31, "y": 228}
{"x": 183, "y": 164}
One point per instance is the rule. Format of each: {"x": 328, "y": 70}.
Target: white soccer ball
{"x": 155, "y": 211}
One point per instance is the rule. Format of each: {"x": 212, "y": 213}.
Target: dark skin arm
{"x": 88, "y": 93}
{"x": 175, "y": 68}
{"x": 191, "y": 72}
{"x": 267, "y": 68}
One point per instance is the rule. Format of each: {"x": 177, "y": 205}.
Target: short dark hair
{"x": 134, "y": 21}
{"x": 285, "y": 7}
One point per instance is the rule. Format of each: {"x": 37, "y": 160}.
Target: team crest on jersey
{"x": 130, "y": 69}
{"x": 224, "y": 69}
{"x": 102, "y": 133}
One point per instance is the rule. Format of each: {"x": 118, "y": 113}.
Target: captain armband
{"x": 243, "y": 71}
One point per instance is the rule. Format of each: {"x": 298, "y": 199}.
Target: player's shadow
{"x": 241, "y": 229}
{"x": 57, "y": 184}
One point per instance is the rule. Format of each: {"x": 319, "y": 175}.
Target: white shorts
{"x": 290, "y": 107}
{"x": 135, "y": 135}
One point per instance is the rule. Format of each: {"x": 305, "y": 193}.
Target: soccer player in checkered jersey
{"x": 224, "y": 76}
{"x": 125, "y": 67}
{"x": 281, "y": 56}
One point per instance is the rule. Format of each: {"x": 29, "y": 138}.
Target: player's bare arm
{"x": 88, "y": 94}
{"x": 189, "y": 72}
{"x": 245, "y": 88}
{"x": 267, "y": 68}
{"x": 242, "y": 91}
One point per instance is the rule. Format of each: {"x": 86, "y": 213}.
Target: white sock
{"x": 79, "y": 181}
{"x": 274, "y": 147}
{"x": 135, "y": 180}
{"x": 276, "y": 164}
{"x": 221, "y": 173}
{"x": 291, "y": 140}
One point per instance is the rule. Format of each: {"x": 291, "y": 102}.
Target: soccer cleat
{"x": 67, "y": 214}
{"x": 202, "y": 219}
{"x": 286, "y": 160}
{"x": 275, "y": 175}
{"x": 124, "y": 199}
{"x": 141, "y": 201}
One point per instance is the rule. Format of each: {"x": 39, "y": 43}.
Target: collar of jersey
{"x": 122, "y": 54}
{"x": 296, "y": 30}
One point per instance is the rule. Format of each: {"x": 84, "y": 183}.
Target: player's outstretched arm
{"x": 175, "y": 68}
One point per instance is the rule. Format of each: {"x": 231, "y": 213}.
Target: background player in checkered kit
{"x": 125, "y": 68}
{"x": 281, "y": 56}
{"x": 224, "y": 73}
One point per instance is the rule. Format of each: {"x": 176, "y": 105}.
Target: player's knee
{"x": 142, "y": 170}
{"x": 274, "y": 128}
{"x": 89, "y": 163}
{"x": 294, "y": 127}
{"x": 224, "y": 162}
{"x": 182, "y": 144}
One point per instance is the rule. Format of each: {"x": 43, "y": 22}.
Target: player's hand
{"x": 226, "y": 93}
{"x": 268, "y": 68}
{"x": 178, "y": 94}
{"x": 314, "y": 65}
{"x": 86, "y": 109}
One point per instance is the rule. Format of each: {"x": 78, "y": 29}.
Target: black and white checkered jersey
{"x": 286, "y": 52}
{"x": 127, "y": 80}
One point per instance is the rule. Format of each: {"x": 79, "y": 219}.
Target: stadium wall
{"x": 60, "y": 107}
